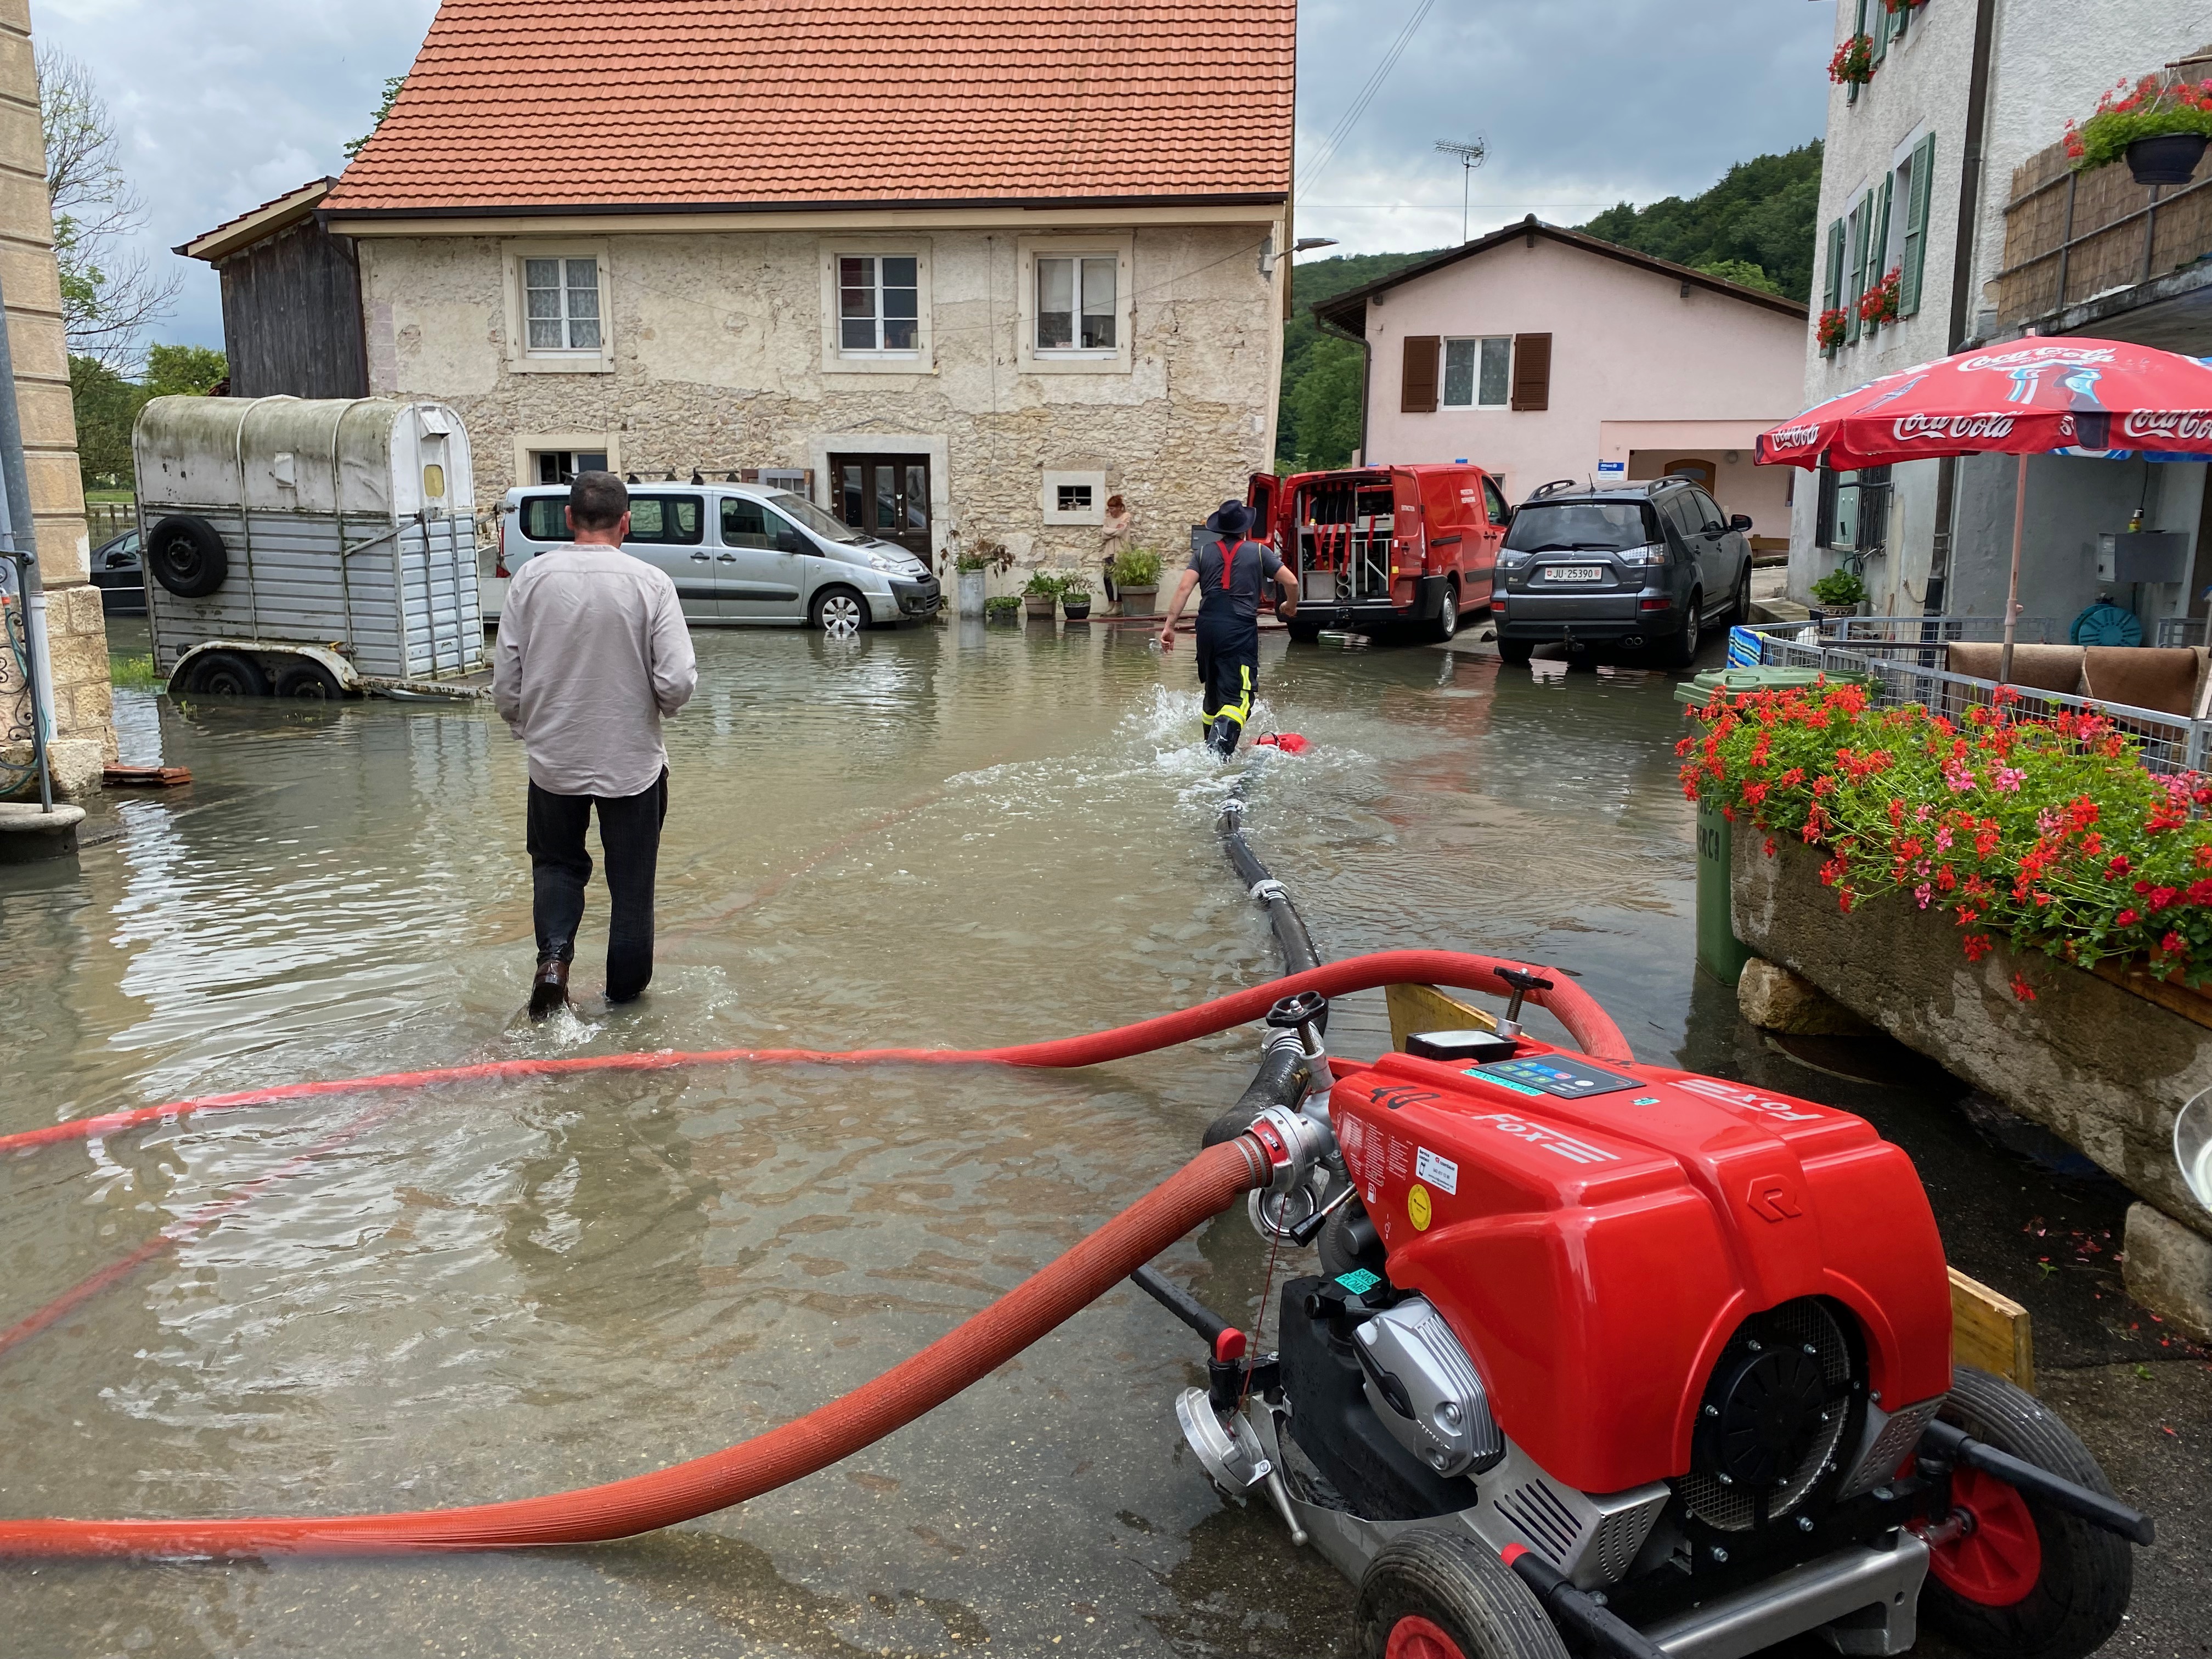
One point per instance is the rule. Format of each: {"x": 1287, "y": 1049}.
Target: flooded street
{"x": 947, "y": 837}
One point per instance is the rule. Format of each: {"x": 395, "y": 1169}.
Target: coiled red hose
{"x": 1590, "y": 1025}
{"x": 1203, "y": 1188}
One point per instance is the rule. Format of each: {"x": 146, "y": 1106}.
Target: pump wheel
{"x": 2024, "y": 1581}
{"x": 1434, "y": 1593}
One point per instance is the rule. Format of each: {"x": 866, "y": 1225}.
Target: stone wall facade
{"x": 78, "y": 689}
{"x": 721, "y": 352}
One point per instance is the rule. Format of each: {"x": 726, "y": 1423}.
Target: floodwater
{"x": 955, "y": 837}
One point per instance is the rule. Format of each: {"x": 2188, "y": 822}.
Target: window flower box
{"x": 1879, "y": 304}
{"x": 1853, "y": 63}
{"x": 2159, "y": 129}
{"x": 1829, "y": 331}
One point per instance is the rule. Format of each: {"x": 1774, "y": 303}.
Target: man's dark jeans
{"x": 629, "y": 837}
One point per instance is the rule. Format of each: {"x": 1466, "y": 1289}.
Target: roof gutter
{"x": 846, "y": 204}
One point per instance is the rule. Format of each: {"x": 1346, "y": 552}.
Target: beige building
{"x": 972, "y": 274}
{"x": 74, "y": 660}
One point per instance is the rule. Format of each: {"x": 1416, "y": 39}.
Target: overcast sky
{"x": 223, "y": 103}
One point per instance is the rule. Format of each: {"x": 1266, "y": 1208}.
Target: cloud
{"x": 223, "y": 104}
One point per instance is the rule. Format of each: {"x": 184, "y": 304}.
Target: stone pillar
{"x": 77, "y": 691}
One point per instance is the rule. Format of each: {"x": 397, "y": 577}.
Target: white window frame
{"x": 1048, "y": 496}
{"x": 835, "y": 360}
{"x": 529, "y": 443}
{"x": 521, "y": 358}
{"x": 1444, "y": 370}
{"x": 1075, "y": 360}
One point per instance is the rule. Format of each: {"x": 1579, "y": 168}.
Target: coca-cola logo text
{"x": 1937, "y": 429}
{"x": 1794, "y": 437}
{"x": 2039, "y": 354}
{"x": 2168, "y": 423}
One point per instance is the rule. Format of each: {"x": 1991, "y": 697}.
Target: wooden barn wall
{"x": 291, "y": 317}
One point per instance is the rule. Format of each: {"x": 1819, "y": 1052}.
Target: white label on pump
{"x": 1438, "y": 1172}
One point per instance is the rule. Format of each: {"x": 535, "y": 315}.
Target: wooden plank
{"x": 2170, "y": 994}
{"x": 1424, "y": 1008}
{"x": 1991, "y": 1331}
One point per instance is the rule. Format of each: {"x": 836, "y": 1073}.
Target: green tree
{"x": 1762, "y": 213}
{"x": 390, "y": 97}
{"x": 187, "y": 371}
{"x": 107, "y": 405}
{"x": 109, "y": 293}
{"x": 1317, "y": 425}
{"x": 1741, "y": 272}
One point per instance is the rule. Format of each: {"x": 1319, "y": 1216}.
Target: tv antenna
{"x": 1470, "y": 156}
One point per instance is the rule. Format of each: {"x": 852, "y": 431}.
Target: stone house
{"x": 1540, "y": 353}
{"x": 1948, "y": 172}
{"x": 970, "y": 270}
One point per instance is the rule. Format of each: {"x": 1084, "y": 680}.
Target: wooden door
{"x": 885, "y": 496}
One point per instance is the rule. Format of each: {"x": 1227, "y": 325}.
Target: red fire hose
{"x": 1590, "y": 1025}
{"x": 1201, "y": 1190}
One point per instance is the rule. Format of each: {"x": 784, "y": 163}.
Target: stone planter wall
{"x": 2102, "y": 1067}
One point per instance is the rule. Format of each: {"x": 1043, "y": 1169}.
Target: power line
{"x": 1367, "y": 91}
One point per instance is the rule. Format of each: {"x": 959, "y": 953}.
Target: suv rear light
{"x": 1656, "y": 604}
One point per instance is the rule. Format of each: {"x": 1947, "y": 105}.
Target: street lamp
{"x": 1470, "y": 156}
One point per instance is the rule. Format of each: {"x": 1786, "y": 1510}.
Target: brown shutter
{"x": 1532, "y": 371}
{"x": 1417, "y": 390}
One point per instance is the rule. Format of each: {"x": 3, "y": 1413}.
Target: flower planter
{"x": 971, "y": 584}
{"x": 2167, "y": 158}
{"x": 1076, "y": 609}
{"x": 1037, "y": 604}
{"x": 1137, "y": 601}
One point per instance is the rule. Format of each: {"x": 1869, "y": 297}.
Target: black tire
{"x": 1682, "y": 650}
{"x": 834, "y": 608}
{"x": 2086, "y": 1574}
{"x": 1447, "y": 617}
{"x": 1517, "y": 651}
{"x": 225, "y": 674}
{"x": 309, "y": 682}
{"x": 1304, "y": 633}
{"x": 186, "y": 556}
{"x": 1739, "y": 607}
{"x": 1458, "y": 1587}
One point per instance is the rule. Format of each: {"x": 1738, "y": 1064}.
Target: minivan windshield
{"x": 1582, "y": 526}
{"x": 799, "y": 507}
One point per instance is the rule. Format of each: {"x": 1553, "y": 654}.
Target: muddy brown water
{"x": 955, "y": 837}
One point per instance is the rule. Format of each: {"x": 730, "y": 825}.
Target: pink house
{"x": 1538, "y": 353}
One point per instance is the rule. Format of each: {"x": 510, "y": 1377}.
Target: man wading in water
{"x": 592, "y": 652}
{"x": 1229, "y": 574}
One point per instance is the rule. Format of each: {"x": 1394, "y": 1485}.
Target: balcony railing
{"x": 2073, "y": 236}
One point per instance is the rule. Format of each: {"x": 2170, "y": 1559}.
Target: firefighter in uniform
{"x": 1230, "y": 575}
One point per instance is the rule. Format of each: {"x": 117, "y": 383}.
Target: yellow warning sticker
{"x": 1417, "y": 1206}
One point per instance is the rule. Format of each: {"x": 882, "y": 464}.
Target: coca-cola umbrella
{"x": 2030, "y": 396}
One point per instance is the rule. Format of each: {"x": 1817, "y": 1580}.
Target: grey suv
{"x": 1631, "y": 566}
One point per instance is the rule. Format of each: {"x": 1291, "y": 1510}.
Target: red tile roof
{"x": 628, "y": 104}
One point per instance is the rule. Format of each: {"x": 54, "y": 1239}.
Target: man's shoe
{"x": 549, "y": 990}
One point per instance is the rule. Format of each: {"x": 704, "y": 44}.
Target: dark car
{"x": 1634, "y": 566}
{"x": 119, "y": 576}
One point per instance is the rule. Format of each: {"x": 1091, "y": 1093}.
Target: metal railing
{"x": 2181, "y": 631}
{"x": 1903, "y": 660}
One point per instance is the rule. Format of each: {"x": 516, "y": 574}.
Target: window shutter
{"x": 1417, "y": 388}
{"x": 1532, "y": 371}
{"x": 1858, "y": 28}
{"x": 1880, "y": 29}
{"x": 1831, "y": 283}
{"x": 1862, "y": 222}
{"x": 1915, "y": 224}
{"x": 1878, "y": 245}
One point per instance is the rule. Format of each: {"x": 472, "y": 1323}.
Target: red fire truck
{"x": 1383, "y": 548}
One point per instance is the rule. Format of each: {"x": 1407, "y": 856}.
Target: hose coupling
{"x": 1269, "y": 890}
{"x": 1294, "y": 1145}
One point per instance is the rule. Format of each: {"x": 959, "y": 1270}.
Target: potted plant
{"x": 1853, "y": 63}
{"x": 1878, "y": 305}
{"x": 970, "y": 565}
{"x": 1002, "y": 607}
{"x": 1831, "y": 329}
{"x": 2161, "y": 130}
{"x": 1840, "y": 593}
{"x": 1075, "y": 599}
{"x": 1137, "y": 577}
{"x": 1041, "y": 595}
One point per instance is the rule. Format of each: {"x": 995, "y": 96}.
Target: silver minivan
{"x": 742, "y": 553}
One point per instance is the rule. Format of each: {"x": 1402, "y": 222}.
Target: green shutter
{"x": 1915, "y": 224}
{"x": 1878, "y": 239}
{"x": 1858, "y": 28}
{"x": 1862, "y": 222}
{"x": 1880, "y": 29}
{"x": 1832, "y": 287}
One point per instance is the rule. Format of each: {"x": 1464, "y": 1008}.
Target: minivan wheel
{"x": 1447, "y": 621}
{"x": 839, "y": 612}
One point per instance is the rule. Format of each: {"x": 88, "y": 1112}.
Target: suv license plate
{"x": 1575, "y": 573}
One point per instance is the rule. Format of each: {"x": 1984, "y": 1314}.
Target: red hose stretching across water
{"x": 1202, "y": 1188}
{"x": 1590, "y": 1025}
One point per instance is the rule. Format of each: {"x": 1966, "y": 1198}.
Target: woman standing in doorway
{"x": 1114, "y": 537}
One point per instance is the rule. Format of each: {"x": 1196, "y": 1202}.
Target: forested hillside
{"x": 1754, "y": 227}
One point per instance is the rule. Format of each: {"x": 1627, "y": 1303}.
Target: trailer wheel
{"x": 226, "y": 674}
{"x": 2025, "y": 1581}
{"x": 1438, "y": 1595}
{"x": 307, "y": 681}
{"x": 186, "y": 556}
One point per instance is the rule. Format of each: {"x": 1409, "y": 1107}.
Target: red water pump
{"x": 1629, "y": 1360}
